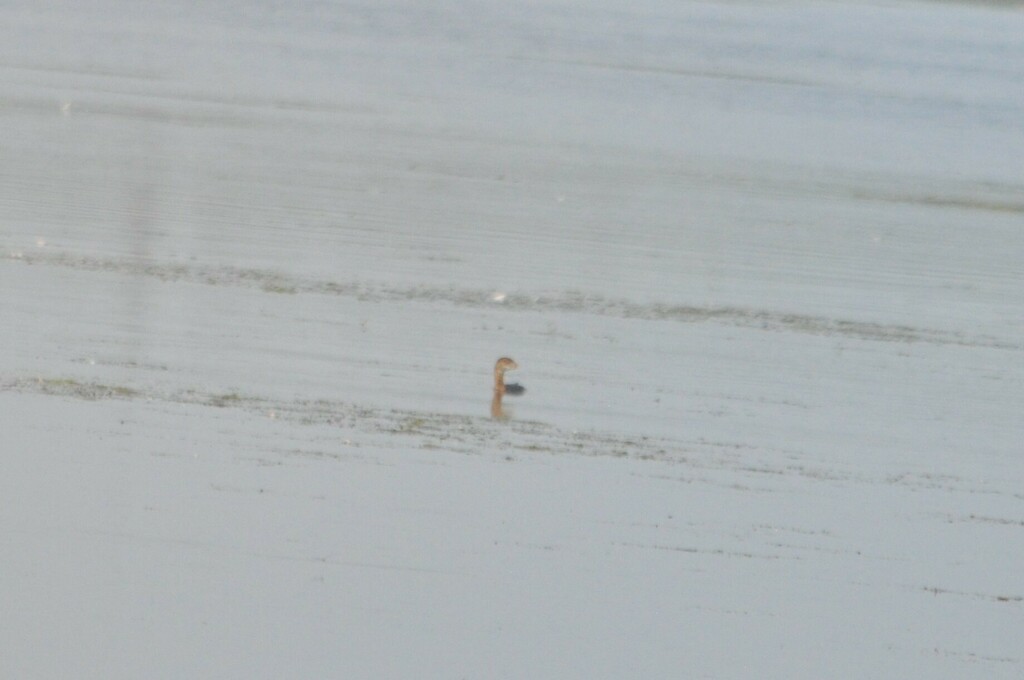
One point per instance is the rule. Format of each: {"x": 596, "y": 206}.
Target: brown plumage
{"x": 503, "y": 364}
{"x": 500, "y": 388}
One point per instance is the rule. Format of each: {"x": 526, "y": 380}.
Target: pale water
{"x": 761, "y": 266}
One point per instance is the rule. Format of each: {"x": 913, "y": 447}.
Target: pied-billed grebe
{"x": 501, "y": 389}
{"x": 505, "y": 364}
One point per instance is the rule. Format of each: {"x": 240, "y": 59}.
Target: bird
{"x": 501, "y": 389}
{"x": 505, "y": 364}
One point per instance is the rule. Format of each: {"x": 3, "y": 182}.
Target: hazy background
{"x": 761, "y": 265}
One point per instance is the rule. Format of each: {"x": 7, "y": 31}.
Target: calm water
{"x": 765, "y": 248}
{"x": 340, "y": 194}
